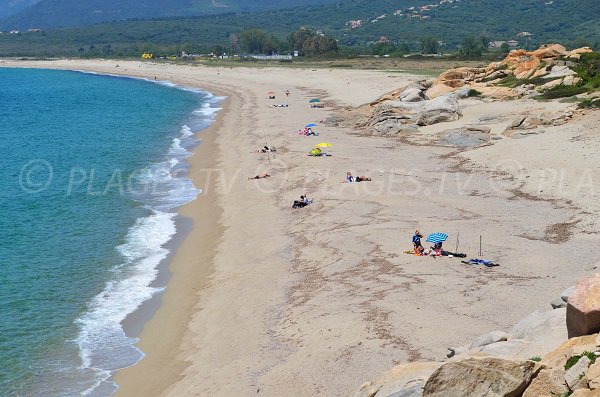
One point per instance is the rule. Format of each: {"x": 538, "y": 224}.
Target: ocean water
{"x": 92, "y": 169}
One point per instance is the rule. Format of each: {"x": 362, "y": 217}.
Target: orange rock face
{"x": 520, "y": 63}
{"x": 527, "y": 67}
{"x": 583, "y": 309}
{"x": 551, "y": 51}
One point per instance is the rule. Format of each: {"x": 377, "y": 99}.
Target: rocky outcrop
{"x": 394, "y": 116}
{"x": 468, "y": 136}
{"x": 583, "y": 309}
{"x": 546, "y": 62}
{"x": 529, "y": 360}
{"x": 414, "y": 92}
{"x": 548, "y": 382}
{"x": 490, "y": 377}
{"x": 532, "y": 121}
{"x": 404, "y": 380}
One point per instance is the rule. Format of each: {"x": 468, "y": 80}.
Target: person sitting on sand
{"x": 260, "y": 176}
{"x": 349, "y": 177}
{"x": 437, "y": 248}
{"x": 287, "y": 92}
{"x": 417, "y": 242}
{"x": 303, "y": 202}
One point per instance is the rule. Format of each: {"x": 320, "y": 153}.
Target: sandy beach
{"x": 266, "y": 300}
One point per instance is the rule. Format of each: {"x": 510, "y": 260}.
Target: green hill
{"x": 570, "y": 22}
{"x": 69, "y": 13}
{"x": 14, "y": 6}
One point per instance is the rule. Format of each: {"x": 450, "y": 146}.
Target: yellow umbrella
{"x": 323, "y": 144}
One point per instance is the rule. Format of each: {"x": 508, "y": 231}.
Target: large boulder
{"x": 593, "y": 376}
{"x": 586, "y": 393}
{"x": 438, "y": 110}
{"x": 549, "y": 382}
{"x": 550, "y": 51}
{"x": 489, "y": 377}
{"x": 583, "y": 309}
{"x": 459, "y": 76}
{"x": 576, "y": 53}
{"x": 527, "y": 67}
{"x": 489, "y": 338}
{"x": 404, "y": 380}
{"x": 444, "y": 108}
{"x": 438, "y": 90}
{"x": 559, "y": 71}
{"x": 393, "y": 127}
{"x": 576, "y": 373}
{"x": 468, "y": 136}
{"x": 569, "y": 348}
{"x": 413, "y": 94}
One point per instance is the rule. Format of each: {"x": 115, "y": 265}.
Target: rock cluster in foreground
{"x": 535, "y": 358}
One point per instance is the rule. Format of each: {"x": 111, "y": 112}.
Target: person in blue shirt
{"x": 417, "y": 242}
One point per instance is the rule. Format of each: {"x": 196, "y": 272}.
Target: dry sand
{"x": 266, "y": 300}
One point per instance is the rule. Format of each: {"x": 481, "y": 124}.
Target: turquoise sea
{"x": 92, "y": 169}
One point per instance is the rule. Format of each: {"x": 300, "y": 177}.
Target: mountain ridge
{"x": 14, "y": 6}
{"x": 73, "y": 13}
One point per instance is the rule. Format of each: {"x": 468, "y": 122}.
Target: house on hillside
{"x": 34, "y": 30}
{"x": 496, "y": 44}
{"x": 355, "y": 24}
{"x": 512, "y": 43}
{"x": 383, "y": 40}
{"x": 14, "y": 31}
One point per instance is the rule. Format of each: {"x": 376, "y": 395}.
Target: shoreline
{"x": 318, "y": 300}
{"x": 188, "y": 273}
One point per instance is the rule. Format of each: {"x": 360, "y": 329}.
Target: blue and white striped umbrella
{"x": 437, "y": 237}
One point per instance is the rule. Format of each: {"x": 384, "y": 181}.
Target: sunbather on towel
{"x": 260, "y": 176}
{"x": 266, "y": 149}
{"x": 350, "y": 178}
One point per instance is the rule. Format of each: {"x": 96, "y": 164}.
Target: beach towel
{"x": 480, "y": 262}
{"x": 456, "y": 254}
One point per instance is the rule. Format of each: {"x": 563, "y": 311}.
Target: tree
{"x": 234, "y": 40}
{"x": 319, "y": 45}
{"x": 298, "y": 38}
{"x": 404, "y": 47}
{"x": 429, "y": 45}
{"x": 505, "y": 48}
{"x": 218, "y": 50}
{"x": 254, "y": 41}
{"x": 384, "y": 49}
{"x": 471, "y": 47}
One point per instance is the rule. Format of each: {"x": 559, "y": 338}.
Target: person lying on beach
{"x": 260, "y": 176}
{"x": 350, "y": 178}
{"x": 303, "y": 202}
{"x": 266, "y": 149}
{"x": 280, "y": 106}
